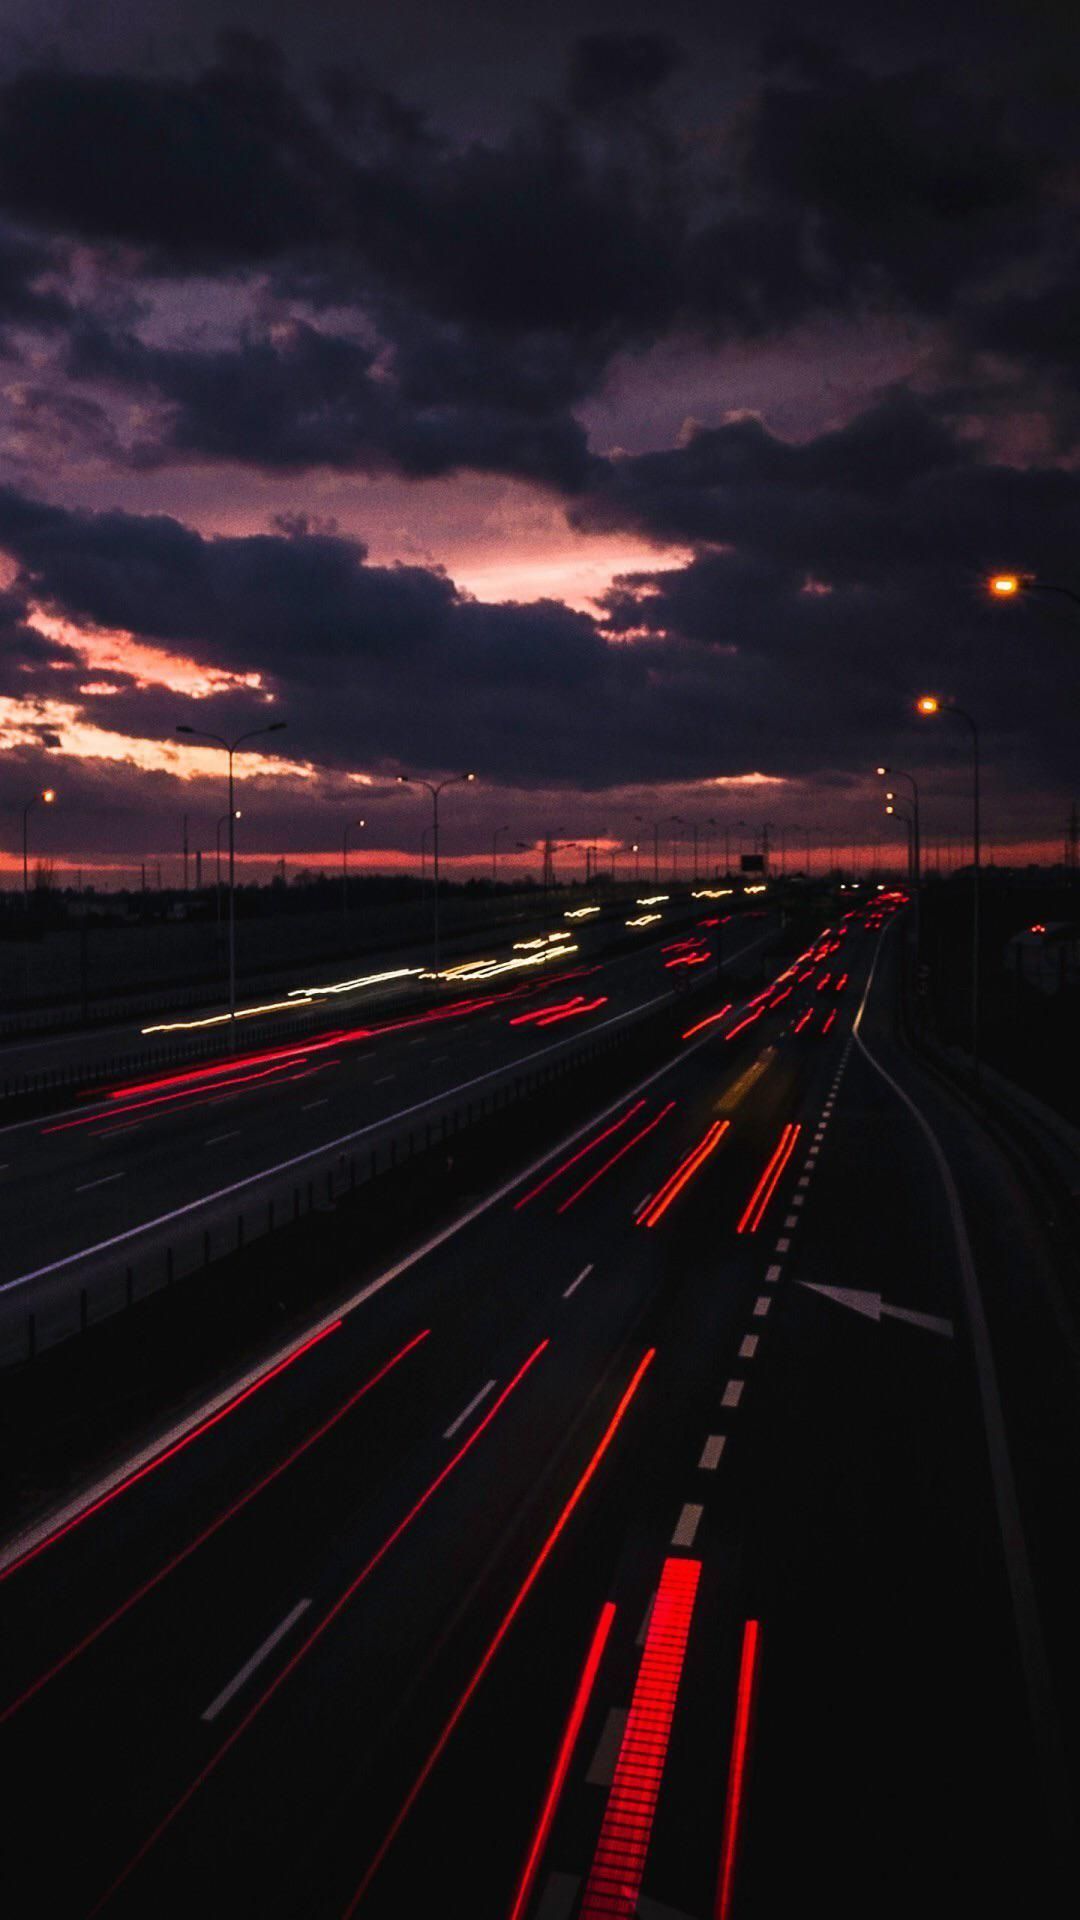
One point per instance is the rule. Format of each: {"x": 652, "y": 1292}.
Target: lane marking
{"x": 471, "y": 1408}
{"x": 749, "y": 1346}
{"x": 783, "y": 1246}
{"x": 873, "y": 1307}
{"x": 687, "y": 1525}
{"x": 384, "y": 1080}
{"x": 733, "y": 1393}
{"x": 220, "y": 1138}
{"x": 1042, "y": 1705}
{"x": 642, "y": 1204}
{"x": 798, "y": 1199}
{"x": 89, "y": 1185}
{"x": 260, "y": 1654}
{"x": 639, "y": 1638}
{"x": 603, "y": 1763}
{"x": 575, "y": 1284}
{"x": 761, "y": 1306}
{"x": 791, "y": 1221}
{"x": 711, "y": 1452}
{"x": 110, "y": 1133}
{"x": 804, "y": 1180}
{"x": 310, "y": 1105}
{"x": 772, "y": 1274}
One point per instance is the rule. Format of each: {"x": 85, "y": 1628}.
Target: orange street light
{"x": 1005, "y": 585}
{"x": 928, "y": 703}
{"x": 47, "y": 795}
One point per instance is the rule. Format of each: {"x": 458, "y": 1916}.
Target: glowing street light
{"x": 230, "y": 747}
{"x": 47, "y": 796}
{"x": 1009, "y": 586}
{"x": 435, "y": 788}
{"x": 351, "y": 826}
{"x": 929, "y": 704}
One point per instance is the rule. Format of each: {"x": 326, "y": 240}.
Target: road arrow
{"x": 875, "y": 1308}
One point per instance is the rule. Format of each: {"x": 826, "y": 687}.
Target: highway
{"x": 78, "y": 1178}
{"x": 685, "y": 1533}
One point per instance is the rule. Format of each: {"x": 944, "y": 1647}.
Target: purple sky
{"x": 622, "y": 402}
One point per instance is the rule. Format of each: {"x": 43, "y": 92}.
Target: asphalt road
{"x": 601, "y": 1560}
{"x": 75, "y": 1180}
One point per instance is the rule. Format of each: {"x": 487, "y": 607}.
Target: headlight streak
{"x": 503, "y": 1629}
{"x": 645, "y": 920}
{"x": 754, "y": 1212}
{"x": 608, "y": 1164}
{"x": 684, "y": 1172}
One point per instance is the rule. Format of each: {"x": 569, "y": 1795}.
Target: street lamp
{"x": 897, "y": 773}
{"x": 47, "y": 796}
{"x": 351, "y": 826}
{"x": 1009, "y": 586}
{"x": 435, "y": 788}
{"x": 929, "y": 706}
{"x": 230, "y": 747}
{"x": 495, "y": 854}
{"x": 675, "y": 820}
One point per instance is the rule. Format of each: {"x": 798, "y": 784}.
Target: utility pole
{"x": 185, "y": 854}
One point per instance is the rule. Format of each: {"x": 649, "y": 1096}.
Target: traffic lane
{"x": 533, "y": 1251}
{"x": 594, "y": 1295}
{"x": 121, "y": 1180}
{"x": 372, "y": 1697}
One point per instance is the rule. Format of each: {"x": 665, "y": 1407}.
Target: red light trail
{"x": 608, "y": 1164}
{"x": 563, "y": 1758}
{"x": 501, "y": 1632}
{"x": 709, "y": 1022}
{"x": 596, "y": 1141}
{"x": 754, "y": 1211}
{"x": 614, "y": 1883}
{"x": 684, "y": 1172}
{"x": 744, "y": 1705}
{"x": 306, "y": 1645}
{"x": 227, "y": 1513}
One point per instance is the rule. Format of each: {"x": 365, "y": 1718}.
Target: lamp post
{"x": 1008, "y": 586}
{"x": 495, "y": 854}
{"x": 218, "y": 824}
{"x": 675, "y": 820}
{"x": 47, "y": 796}
{"x": 351, "y": 826}
{"x": 928, "y": 704}
{"x": 435, "y": 788}
{"x": 230, "y": 747}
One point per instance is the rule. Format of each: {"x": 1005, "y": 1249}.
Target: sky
{"x": 627, "y": 403}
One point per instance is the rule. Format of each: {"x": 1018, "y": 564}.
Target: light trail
{"x": 306, "y": 1645}
{"x": 563, "y": 1758}
{"x": 710, "y": 1021}
{"x": 744, "y": 1705}
{"x": 614, "y": 1883}
{"x": 608, "y": 1164}
{"x": 207, "y": 1533}
{"x": 550, "y": 1178}
{"x": 503, "y": 1629}
{"x": 684, "y": 1172}
{"x": 754, "y": 1211}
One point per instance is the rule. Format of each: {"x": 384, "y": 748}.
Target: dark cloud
{"x": 24, "y": 264}
{"x": 616, "y": 69}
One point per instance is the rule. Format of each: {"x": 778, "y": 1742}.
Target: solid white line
{"x": 711, "y": 1451}
{"x": 687, "y": 1526}
{"x": 220, "y": 1137}
{"x": 256, "y": 1660}
{"x": 761, "y": 1306}
{"x": 471, "y": 1408}
{"x": 733, "y": 1393}
{"x": 772, "y": 1274}
{"x": 575, "y": 1284}
{"x": 89, "y": 1185}
{"x": 748, "y": 1347}
{"x": 1040, "y": 1691}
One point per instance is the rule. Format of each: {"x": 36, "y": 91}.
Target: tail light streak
{"x": 501, "y": 1632}
{"x": 563, "y": 1759}
{"x": 683, "y": 1173}
{"x": 317, "y": 1633}
{"x": 709, "y": 1022}
{"x": 608, "y": 1164}
{"x": 220, "y": 1520}
{"x": 754, "y": 1211}
{"x": 549, "y": 1179}
{"x": 744, "y": 1706}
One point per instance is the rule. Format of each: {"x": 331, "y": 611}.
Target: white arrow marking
{"x": 875, "y": 1308}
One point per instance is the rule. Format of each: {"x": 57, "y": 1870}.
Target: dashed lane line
{"x": 711, "y": 1452}
{"x": 260, "y": 1654}
{"x": 575, "y": 1284}
{"x": 471, "y": 1408}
